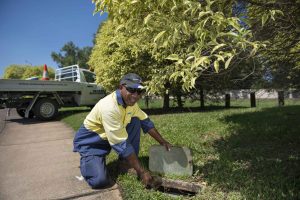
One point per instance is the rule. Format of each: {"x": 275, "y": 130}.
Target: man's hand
{"x": 145, "y": 177}
{"x": 156, "y": 135}
{"x": 167, "y": 145}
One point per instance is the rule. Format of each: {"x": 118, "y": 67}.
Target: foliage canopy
{"x": 178, "y": 40}
{"x": 26, "y": 71}
{"x": 70, "y": 54}
{"x": 278, "y": 24}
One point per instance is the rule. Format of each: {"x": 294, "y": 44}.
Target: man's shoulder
{"x": 108, "y": 97}
{"x": 108, "y": 101}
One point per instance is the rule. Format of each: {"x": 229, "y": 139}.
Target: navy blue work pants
{"x": 93, "y": 168}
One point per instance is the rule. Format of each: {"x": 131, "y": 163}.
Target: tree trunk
{"x": 179, "y": 101}
{"x": 281, "y": 98}
{"x": 166, "y": 101}
{"x": 147, "y": 101}
{"x": 252, "y": 99}
{"x": 201, "y": 98}
{"x": 227, "y": 100}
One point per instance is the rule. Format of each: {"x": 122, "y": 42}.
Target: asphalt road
{"x": 37, "y": 162}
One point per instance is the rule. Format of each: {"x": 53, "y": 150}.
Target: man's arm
{"x": 143, "y": 174}
{"x": 133, "y": 161}
{"x": 157, "y": 136}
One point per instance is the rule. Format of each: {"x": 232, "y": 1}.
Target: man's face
{"x": 130, "y": 95}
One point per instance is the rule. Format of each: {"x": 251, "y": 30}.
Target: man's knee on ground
{"x": 98, "y": 182}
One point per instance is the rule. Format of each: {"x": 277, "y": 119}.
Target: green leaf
{"x": 174, "y": 2}
{"x": 113, "y": 42}
{"x": 158, "y": 36}
{"x": 280, "y": 12}
{"x": 193, "y": 80}
{"x": 231, "y": 33}
{"x": 272, "y": 14}
{"x": 186, "y": 11}
{"x": 220, "y": 58}
{"x": 165, "y": 44}
{"x": 185, "y": 26}
{"x": 200, "y": 61}
{"x": 204, "y": 22}
{"x": 179, "y": 62}
{"x": 217, "y": 47}
{"x": 234, "y": 23}
{"x": 162, "y": 3}
{"x": 264, "y": 19}
{"x": 182, "y": 73}
{"x": 228, "y": 62}
{"x": 201, "y": 14}
{"x": 216, "y": 66}
{"x": 190, "y": 58}
{"x": 146, "y": 19}
{"x": 174, "y": 8}
{"x": 254, "y": 50}
{"x": 172, "y": 57}
{"x": 119, "y": 27}
{"x": 174, "y": 76}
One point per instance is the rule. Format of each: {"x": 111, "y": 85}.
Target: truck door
{"x": 91, "y": 93}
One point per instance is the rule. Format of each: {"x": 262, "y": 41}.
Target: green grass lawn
{"x": 238, "y": 153}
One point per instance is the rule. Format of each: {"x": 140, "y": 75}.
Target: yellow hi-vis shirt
{"x": 107, "y": 122}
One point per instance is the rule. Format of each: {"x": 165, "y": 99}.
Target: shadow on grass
{"x": 113, "y": 167}
{"x": 172, "y": 110}
{"x": 152, "y": 111}
{"x": 71, "y": 111}
{"x": 261, "y": 156}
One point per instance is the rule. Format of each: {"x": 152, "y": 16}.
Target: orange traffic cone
{"x": 45, "y": 73}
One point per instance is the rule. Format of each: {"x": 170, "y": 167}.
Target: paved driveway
{"x": 37, "y": 162}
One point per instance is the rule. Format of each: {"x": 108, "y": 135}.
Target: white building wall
{"x": 262, "y": 94}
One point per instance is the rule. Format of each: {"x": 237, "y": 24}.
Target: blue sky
{"x": 31, "y": 29}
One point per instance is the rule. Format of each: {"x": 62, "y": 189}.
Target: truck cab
{"x": 90, "y": 91}
{"x": 75, "y": 74}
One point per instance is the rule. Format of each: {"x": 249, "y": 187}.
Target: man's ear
{"x": 120, "y": 87}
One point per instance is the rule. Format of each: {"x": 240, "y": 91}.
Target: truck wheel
{"x": 21, "y": 111}
{"x": 46, "y": 109}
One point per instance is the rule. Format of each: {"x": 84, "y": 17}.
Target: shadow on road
{"x": 27, "y": 121}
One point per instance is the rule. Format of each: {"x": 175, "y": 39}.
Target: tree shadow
{"x": 173, "y": 110}
{"x": 261, "y": 156}
{"x": 62, "y": 114}
{"x": 113, "y": 167}
{"x": 26, "y": 121}
{"x": 153, "y": 111}
{"x": 113, "y": 171}
{"x": 144, "y": 161}
{"x": 66, "y": 113}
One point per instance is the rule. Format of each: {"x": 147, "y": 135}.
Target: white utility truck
{"x": 72, "y": 86}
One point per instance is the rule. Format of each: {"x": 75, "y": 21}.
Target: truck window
{"x": 71, "y": 76}
{"x": 89, "y": 77}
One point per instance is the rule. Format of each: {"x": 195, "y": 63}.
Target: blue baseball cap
{"x": 132, "y": 80}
